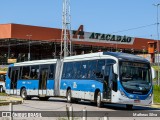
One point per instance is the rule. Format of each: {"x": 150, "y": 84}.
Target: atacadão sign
{"x": 105, "y": 38}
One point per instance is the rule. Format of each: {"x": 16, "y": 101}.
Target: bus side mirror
{"x": 153, "y": 73}
{"x": 115, "y": 68}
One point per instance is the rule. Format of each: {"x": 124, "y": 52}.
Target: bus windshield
{"x": 135, "y": 77}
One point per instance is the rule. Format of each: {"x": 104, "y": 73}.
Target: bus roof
{"x": 126, "y": 56}
{"x": 35, "y": 62}
{"x": 118, "y": 55}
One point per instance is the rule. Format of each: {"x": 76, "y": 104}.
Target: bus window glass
{"x": 68, "y": 70}
{"x": 2, "y": 77}
{"x": 77, "y": 70}
{"x": 9, "y": 72}
{"x": 110, "y": 62}
{"x": 34, "y": 72}
{"x": 51, "y": 71}
{"x": 64, "y": 70}
{"x": 20, "y": 72}
{"x": 92, "y": 69}
{"x": 108, "y": 69}
{"x": 133, "y": 73}
{"x": 84, "y": 70}
{"x": 100, "y": 69}
{"x": 26, "y": 72}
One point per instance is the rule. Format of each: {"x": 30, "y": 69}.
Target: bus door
{"x": 43, "y": 80}
{"x": 14, "y": 78}
{"x": 107, "y": 84}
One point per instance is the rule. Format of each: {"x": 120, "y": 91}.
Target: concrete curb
{"x": 5, "y": 100}
{"x": 7, "y": 103}
{"x": 155, "y": 105}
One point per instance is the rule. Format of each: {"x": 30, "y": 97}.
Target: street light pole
{"x": 29, "y": 47}
{"x": 157, "y": 5}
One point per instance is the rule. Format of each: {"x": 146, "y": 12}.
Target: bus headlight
{"x": 149, "y": 96}
{"x": 122, "y": 93}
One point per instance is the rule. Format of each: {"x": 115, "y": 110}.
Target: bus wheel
{"x": 1, "y": 88}
{"x": 69, "y": 96}
{"x": 98, "y": 100}
{"x": 24, "y": 94}
{"x": 129, "y": 107}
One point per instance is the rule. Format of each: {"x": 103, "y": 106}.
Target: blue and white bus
{"x": 32, "y": 78}
{"x": 97, "y": 77}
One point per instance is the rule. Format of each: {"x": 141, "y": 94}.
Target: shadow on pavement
{"x": 107, "y": 105}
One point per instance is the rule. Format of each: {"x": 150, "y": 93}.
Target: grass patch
{"x": 3, "y": 94}
{"x": 156, "y": 67}
{"x": 156, "y": 92}
{"x": 2, "y": 102}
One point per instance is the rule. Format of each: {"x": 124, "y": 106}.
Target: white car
{"x": 2, "y": 83}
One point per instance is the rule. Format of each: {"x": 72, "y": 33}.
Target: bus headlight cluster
{"x": 122, "y": 93}
{"x": 149, "y": 96}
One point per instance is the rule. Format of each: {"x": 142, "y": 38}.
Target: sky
{"x": 135, "y": 18}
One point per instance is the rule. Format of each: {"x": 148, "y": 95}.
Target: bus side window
{"x": 112, "y": 80}
{"x": 92, "y": 69}
{"x": 9, "y": 72}
{"x": 26, "y": 72}
{"x": 108, "y": 75}
{"x": 100, "y": 69}
{"x": 68, "y": 70}
{"x": 51, "y": 71}
{"x": 20, "y": 73}
{"x": 34, "y": 72}
{"x": 77, "y": 70}
{"x": 84, "y": 69}
{"x": 64, "y": 71}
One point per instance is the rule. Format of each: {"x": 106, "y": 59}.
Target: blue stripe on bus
{"x": 28, "y": 84}
{"x": 134, "y": 96}
{"x": 7, "y": 82}
{"x": 81, "y": 85}
{"x": 11, "y": 65}
{"x": 50, "y": 84}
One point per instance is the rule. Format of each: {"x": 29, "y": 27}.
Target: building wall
{"x": 38, "y": 33}
{"x": 5, "y": 31}
{"x": 19, "y": 31}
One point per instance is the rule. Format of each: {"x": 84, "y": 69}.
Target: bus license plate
{"x": 137, "y": 101}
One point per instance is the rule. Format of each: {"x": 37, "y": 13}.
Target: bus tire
{"x": 129, "y": 107}
{"x": 69, "y": 96}
{"x": 1, "y": 88}
{"x": 24, "y": 94}
{"x": 98, "y": 100}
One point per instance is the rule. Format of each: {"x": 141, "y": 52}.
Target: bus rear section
{"x": 32, "y": 79}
